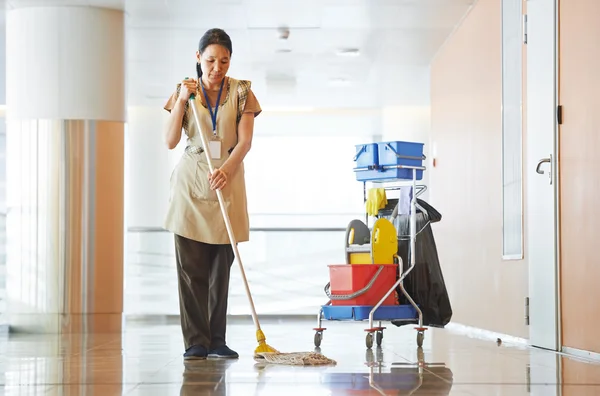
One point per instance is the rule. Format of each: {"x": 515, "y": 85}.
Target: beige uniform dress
{"x": 193, "y": 210}
{"x": 203, "y": 252}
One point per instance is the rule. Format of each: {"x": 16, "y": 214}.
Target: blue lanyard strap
{"x": 213, "y": 115}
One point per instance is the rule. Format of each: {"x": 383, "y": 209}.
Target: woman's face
{"x": 214, "y": 62}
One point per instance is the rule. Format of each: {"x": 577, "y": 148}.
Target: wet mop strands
{"x": 294, "y": 358}
{"x": 267, "y": 354}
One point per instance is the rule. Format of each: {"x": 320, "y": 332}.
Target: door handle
{"x": 543, "y": 161}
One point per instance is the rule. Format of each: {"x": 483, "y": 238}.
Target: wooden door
{"x": 579, "y": 167}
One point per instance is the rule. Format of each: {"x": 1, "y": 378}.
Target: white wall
{"x": 412, "y": 124}
{"x": 409, "y": 123}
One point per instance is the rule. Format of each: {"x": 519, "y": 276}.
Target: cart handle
{"x": 356, "y": 293}
{"x": 360, "y": 152}
{"x": 421, "y": 158}
{"x": 366, "y": 168}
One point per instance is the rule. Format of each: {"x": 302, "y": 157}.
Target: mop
{"x": 263, "y": 352}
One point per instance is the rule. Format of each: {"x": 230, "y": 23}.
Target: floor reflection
{"x": 205, "y": 378}
{"x": 146, "y": 360}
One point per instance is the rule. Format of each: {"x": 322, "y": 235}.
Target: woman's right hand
{"x": 188, "y": 87}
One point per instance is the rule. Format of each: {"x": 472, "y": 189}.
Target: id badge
{"x": 214, "y": 147}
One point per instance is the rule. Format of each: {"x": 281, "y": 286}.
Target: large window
{"x": 287, "y": 272}
{"x": 303, "y": 181}
{"x": 512, "y": 129}
{"x": 302, "y": 193}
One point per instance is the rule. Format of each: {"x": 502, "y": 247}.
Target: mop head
{"x": 268, "y": 354}
{"x": 294, "y": 358}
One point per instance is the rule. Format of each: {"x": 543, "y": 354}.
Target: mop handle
{"x": 224, "y": 211}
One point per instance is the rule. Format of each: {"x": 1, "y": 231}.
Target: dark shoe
{"x": 223, "y": 352}
{"x": 195, "y": 352}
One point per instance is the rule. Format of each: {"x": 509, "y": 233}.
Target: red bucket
{"x": 350, "y": 278}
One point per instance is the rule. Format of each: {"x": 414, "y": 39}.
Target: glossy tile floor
{"x": 146, "y": 360}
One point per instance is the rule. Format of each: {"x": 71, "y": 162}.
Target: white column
{"x": 65, "y": 74}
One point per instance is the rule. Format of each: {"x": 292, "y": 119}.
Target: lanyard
{"x": 213, "y": 116}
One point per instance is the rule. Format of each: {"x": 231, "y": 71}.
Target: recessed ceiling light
{"x": 339, "y": 82}
{"x": 348, "y": 52}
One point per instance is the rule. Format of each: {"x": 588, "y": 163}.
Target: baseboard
{"x": 587, "y": 355}
{"x": 161, "y": 319}
{"x": 474, "y": 332}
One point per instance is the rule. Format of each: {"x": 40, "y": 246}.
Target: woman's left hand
{"x": 218, "y": 180}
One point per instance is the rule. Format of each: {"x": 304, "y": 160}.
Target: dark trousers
{"x": 203, "y": 274}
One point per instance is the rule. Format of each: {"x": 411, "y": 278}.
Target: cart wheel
{"x": 369, "y": 340}
{"x": 318, "y": 338}
{"x": 379, "y": 337}
{"x": 420, "y": 337}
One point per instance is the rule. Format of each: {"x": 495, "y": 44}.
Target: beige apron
{"x": 193, "y": 210}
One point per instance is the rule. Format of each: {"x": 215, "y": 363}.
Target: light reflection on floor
{"x": 146, "y": 360}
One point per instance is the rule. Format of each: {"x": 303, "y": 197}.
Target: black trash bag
{"x": 425, "y": 283}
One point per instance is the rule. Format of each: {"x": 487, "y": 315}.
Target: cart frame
{"x": 400, "y": 282}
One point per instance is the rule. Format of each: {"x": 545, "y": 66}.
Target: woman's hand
{"x": 188, "y": 87}
{"x": 218, "y": 180}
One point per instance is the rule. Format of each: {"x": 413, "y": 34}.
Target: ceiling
{"x": 339, "y": 53}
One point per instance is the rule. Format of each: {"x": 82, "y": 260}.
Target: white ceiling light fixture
{"x": 339, "y": 82}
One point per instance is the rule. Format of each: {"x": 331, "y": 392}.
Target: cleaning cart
{"x": 366, "y": 286}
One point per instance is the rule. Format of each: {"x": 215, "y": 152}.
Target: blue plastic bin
{"x": 361, "y": 312}
{"x": 367, "y": 155}
{"x": 400, "y": 153}
{"x": 373, "y": 158}
{"x": 399, "y": 382}
{"x": 366, "y": 161}
{"x": 368, "y": 175}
